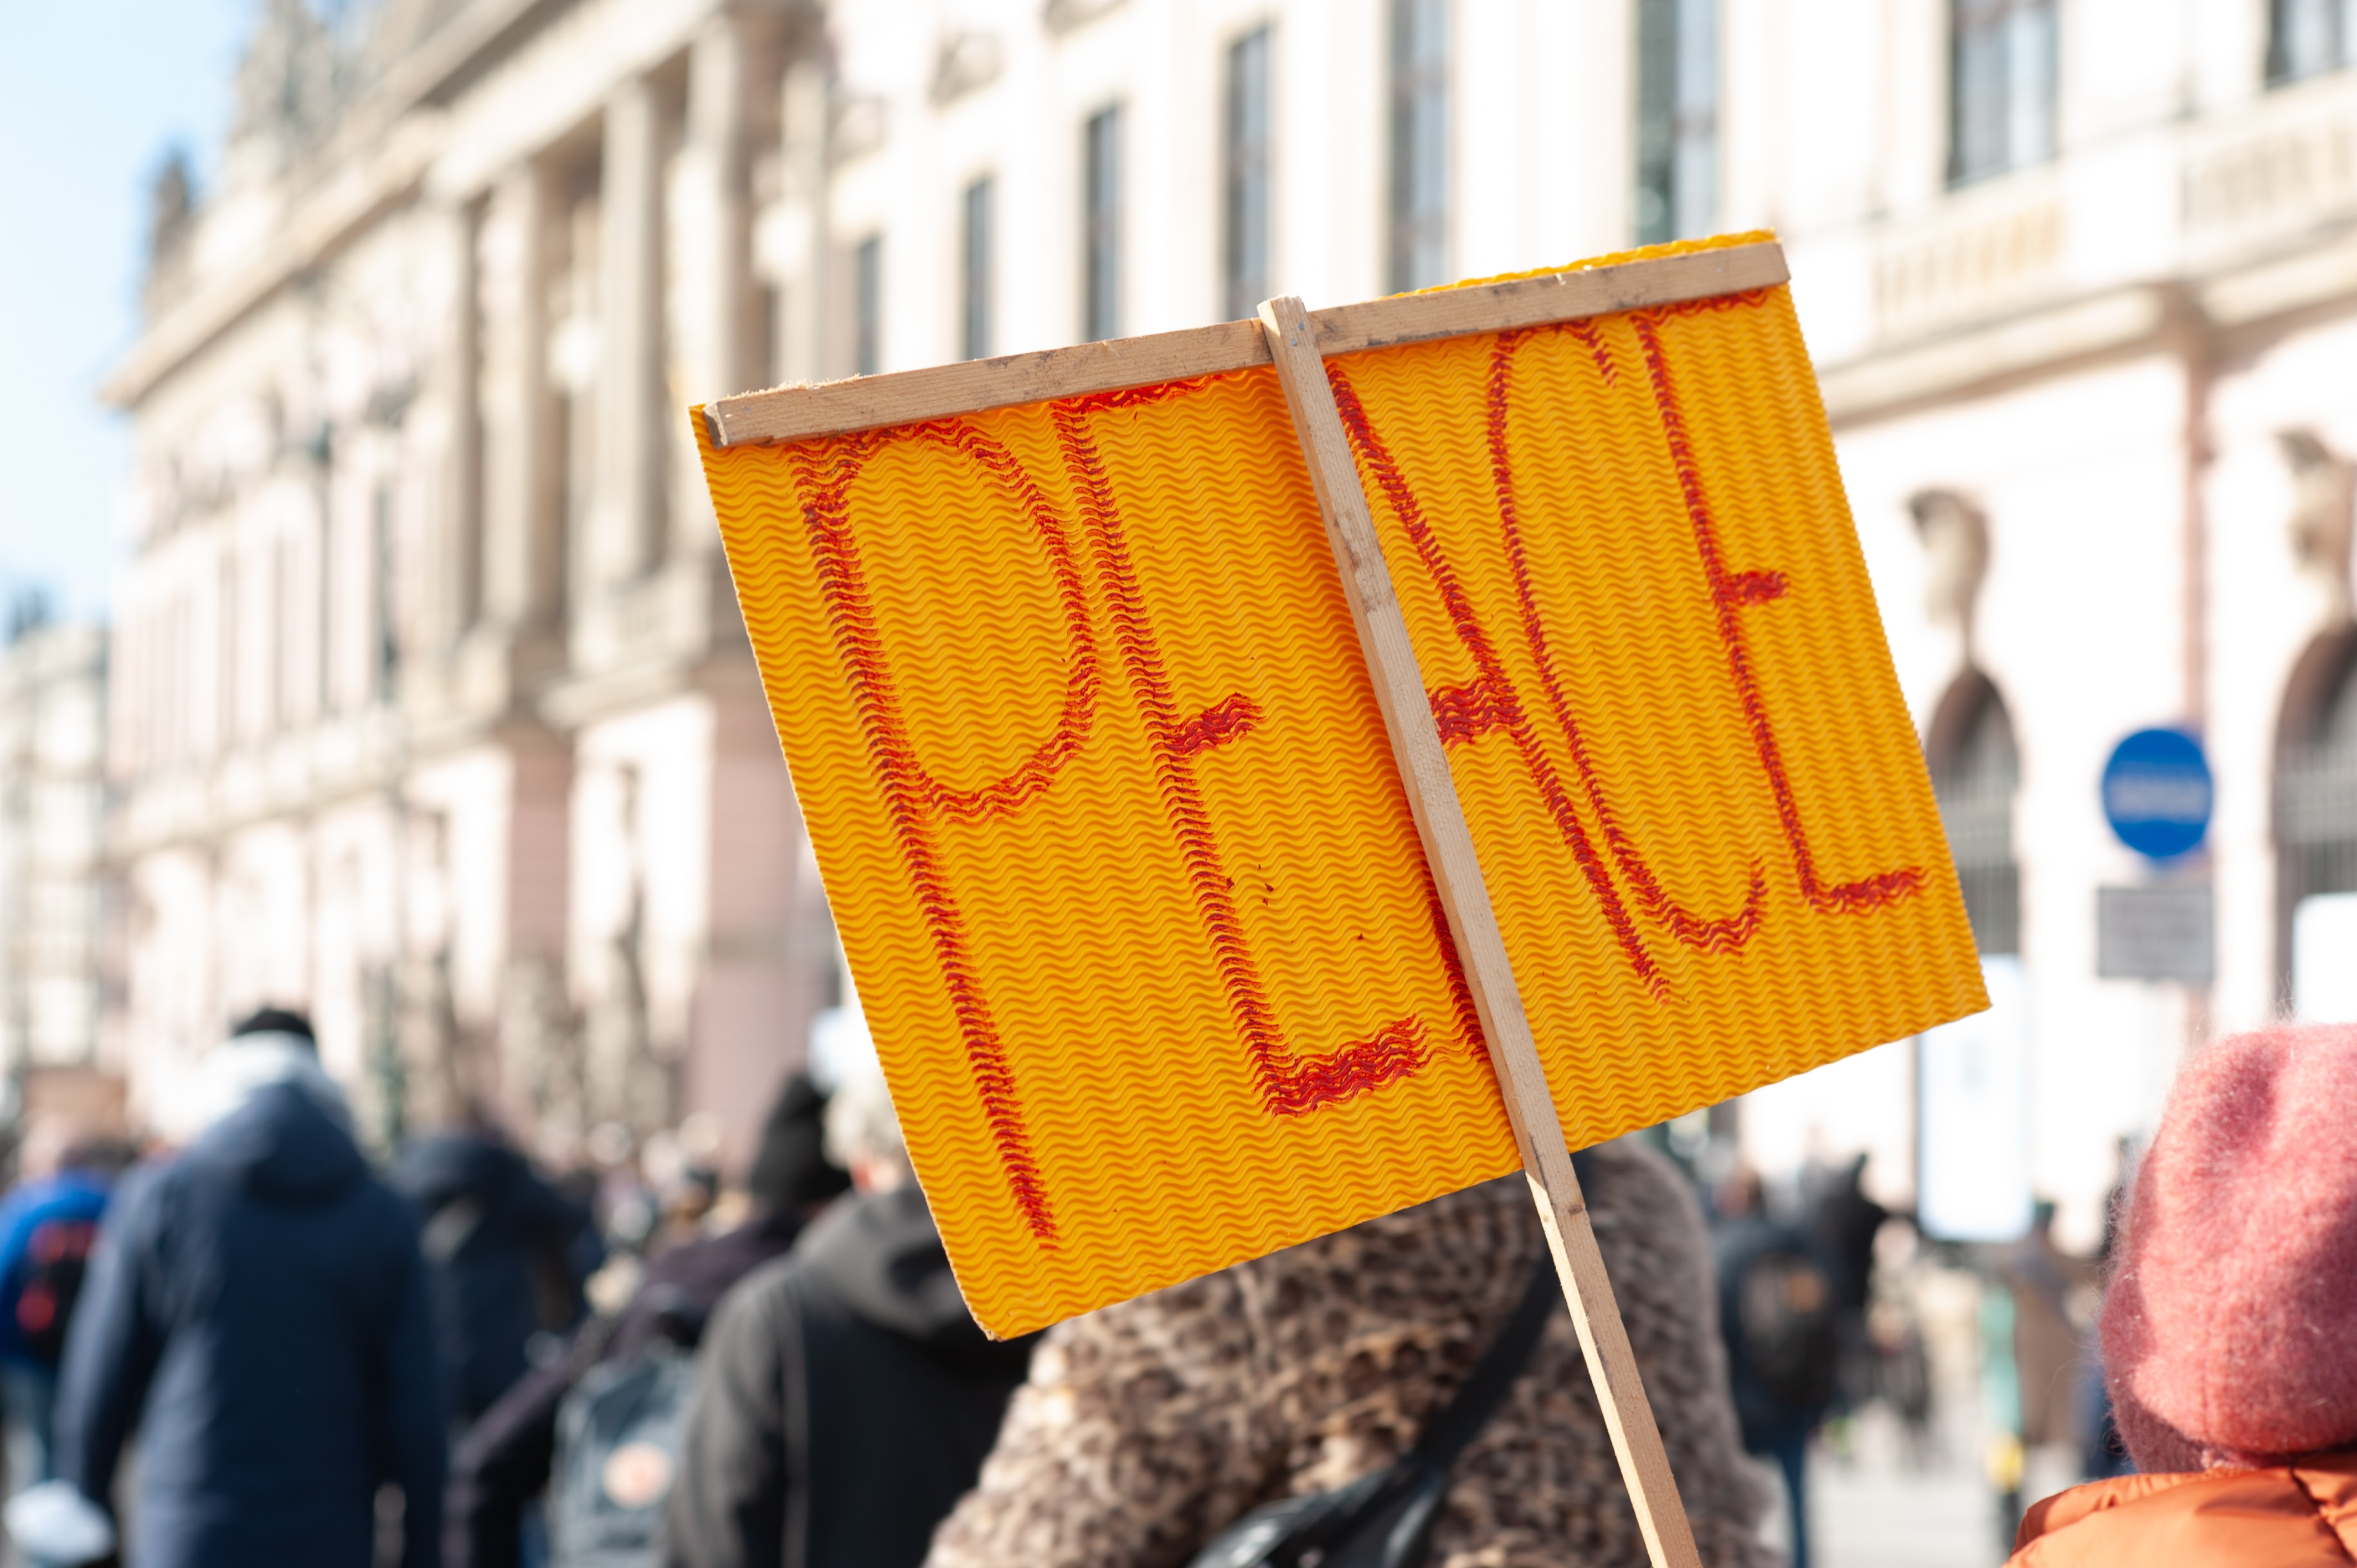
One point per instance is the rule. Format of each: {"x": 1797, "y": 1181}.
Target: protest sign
{"x": 1201, "y": 896}
{"x": 1109, "y": 821}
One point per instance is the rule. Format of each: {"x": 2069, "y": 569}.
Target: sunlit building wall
{"x": 58, "y": 906}
{"x": 2076, "y": 278}
{"x": 430, "y": 709}
{"x": 432, "y": 713}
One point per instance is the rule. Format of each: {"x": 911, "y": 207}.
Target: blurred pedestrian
{"x": 507, "y": 1459}
{"x": 1148, "y": 1428}
{"x": 1895, "y": 1348}
{"x": 257, "y": 1310}
{"x": 1780, "y": 1314}
{"x": 846, "y": 1397}
{"x": 2048, "y": 1285}
{"x": 48, "y": 1223}
{"x": 627, "y": 1205}
{"x": 1845, "y": 1222}
{"x": 2003, "y": 1459}
{"x": 2103, "y": 1453}
{"x": 506, "y": 1252}
{"x": 2228, "y": 1327}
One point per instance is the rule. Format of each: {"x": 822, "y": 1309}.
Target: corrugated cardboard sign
{"x": 1112, "y": 825}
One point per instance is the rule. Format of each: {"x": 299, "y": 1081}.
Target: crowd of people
{"x": 455, "y": 1359}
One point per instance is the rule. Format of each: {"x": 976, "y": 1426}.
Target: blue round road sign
{"x": 2156, "y": 792}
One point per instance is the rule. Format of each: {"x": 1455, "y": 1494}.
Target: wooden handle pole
{"x": 1448, "y": 848}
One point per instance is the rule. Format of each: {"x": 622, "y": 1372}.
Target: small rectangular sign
{"x": 2155, "y": 934}
{"x": 1109, "y": 819}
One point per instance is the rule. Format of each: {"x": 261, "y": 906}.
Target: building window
{"x": 1677, "y": 119}
{"x": 1419, "y": 228}
{"x": 768, "y": 333}
{"x": 976, "y": 317}
{"x": 1975, "y": 770}
{"x": 1100, "y": 226}
{"x": 867, "y": 331}
{"x": 2001, "y": 86}
{"x": 2307, "y": 38}
{"x": 1244, "y": 265}
{"x": 384, "y": 549}
{"x": 2316, "y": 781}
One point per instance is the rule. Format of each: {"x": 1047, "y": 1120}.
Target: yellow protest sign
{"x": 1112, "y": 828}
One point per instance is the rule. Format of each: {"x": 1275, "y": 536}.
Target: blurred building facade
{"x": 2079, "y": 278}
{"x": 58, "y": 903}
{"x": 431, "y": 712}
{"x": 430, "y": 706}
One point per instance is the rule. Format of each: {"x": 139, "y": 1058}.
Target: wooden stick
{"x": 1448, "y": 848}
{"x": 866, "y": 402}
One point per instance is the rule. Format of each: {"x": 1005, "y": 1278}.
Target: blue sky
{"x": 91, "y": 94}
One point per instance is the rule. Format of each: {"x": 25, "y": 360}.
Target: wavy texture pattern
{"x": 1633, "y": 585}
{"x": 1133, "y": 899}
{"x": 1108, "y": 818}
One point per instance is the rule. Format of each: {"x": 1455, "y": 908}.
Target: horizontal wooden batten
{"x": 905, "y": 397}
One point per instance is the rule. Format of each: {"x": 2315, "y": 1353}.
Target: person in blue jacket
{"x": 257, "y": 1308}
{"x": 48, "y": 1225}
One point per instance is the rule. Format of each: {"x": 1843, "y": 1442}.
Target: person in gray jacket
{"x": 846, "y": 1398}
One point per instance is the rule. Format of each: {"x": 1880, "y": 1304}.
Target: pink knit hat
{"x": 2230, "y": 1329}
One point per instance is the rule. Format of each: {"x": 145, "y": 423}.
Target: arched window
{"x": 1975, "y": 769}
{"x": 2316, "y": 781}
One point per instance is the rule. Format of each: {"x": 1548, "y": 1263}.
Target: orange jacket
{"x": 2290, "y": 1517}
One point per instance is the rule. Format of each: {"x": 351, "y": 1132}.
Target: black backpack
{"x": 618, "y": 1436}
{"x": 57, "y": 1257}
{"x": 1790, "y": 1323}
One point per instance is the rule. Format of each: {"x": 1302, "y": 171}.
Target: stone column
{"x": 629, "y": 506}
{"x": 803, "y": 112}
{"x": 461, "y": 543}
{"x": 719, "y": 94}
{"x": 522, "y": 553}
{"x": 712, "y": 249}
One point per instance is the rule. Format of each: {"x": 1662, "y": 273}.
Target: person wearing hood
{"x": 846, "y": 1399}
{"x": 257, "y": 1310}
{"x": 506, "y": 1459}
{"x": 507, "y": 1254}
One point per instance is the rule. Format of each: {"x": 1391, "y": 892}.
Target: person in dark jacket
{"x": 505, "y": 1459}
{"x": 507, "y": 1254}
{"x": 844, "y": 1399}
{"x": 257, "y": 1310}
{"x": 1845, "y": 1222}
{"x": 1779, "y": 1312}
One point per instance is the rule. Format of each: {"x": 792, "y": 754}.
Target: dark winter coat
{"x": 1767, "y": 1416}
{"x": 506, "y": 1253}
{"x": 844, "y": 1402}
{"x": 258, "y": 1309}
{"x": 504, "y": 1461}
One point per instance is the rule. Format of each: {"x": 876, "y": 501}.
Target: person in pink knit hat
{"x": 2230, "y": 1328}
